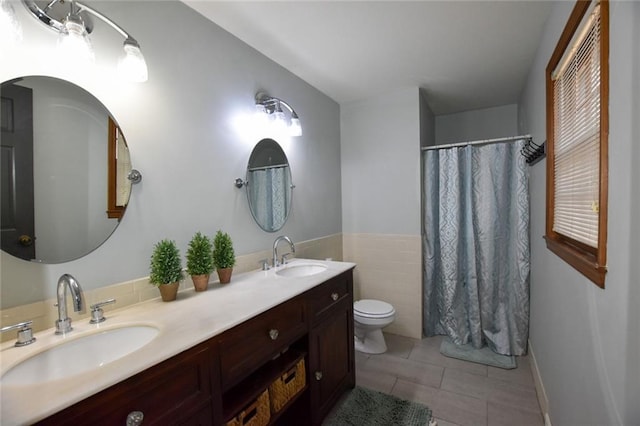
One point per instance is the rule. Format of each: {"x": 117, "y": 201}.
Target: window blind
{"x": 576, "y": 99}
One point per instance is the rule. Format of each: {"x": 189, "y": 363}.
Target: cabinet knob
{"x": 334, "y": 296}
{"x": 273, "y": 333}
{"x": 135, "y": 418}
{"x": 318, "y": 375}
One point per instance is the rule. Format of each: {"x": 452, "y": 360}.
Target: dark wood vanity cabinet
{"x": 179, "y": 390}
{"x": 331, "y": 352}
{"x": 213, "y": 381}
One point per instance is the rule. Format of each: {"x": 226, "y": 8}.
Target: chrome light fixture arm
{"x": 273, "y": 107}
{"x": 106, "y": 20}
{"x": 42, "y": 14}
{"x": 270, "y": 103}
{"x": 76, "y": 7}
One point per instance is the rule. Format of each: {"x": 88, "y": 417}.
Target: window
{"x": 577, "y": 134}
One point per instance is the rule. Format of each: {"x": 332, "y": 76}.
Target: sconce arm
{"x": 270, "y": 103}
{"x": 104, "y": 19}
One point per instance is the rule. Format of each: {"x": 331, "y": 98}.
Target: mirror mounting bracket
{"x": 134, "y": 176}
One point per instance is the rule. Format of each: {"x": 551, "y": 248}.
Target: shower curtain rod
{"x": 478, "y": 142}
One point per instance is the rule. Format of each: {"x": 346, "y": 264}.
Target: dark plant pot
{"x": 224, "y": 275}
{"x": 200, "y": 282}
{"x": 168, "y": 292}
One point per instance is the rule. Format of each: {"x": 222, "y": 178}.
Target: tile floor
{"x": 458, "y": 392}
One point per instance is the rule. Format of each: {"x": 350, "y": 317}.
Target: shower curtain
{"x": 476, "y": 246}
{"x": 269, "y": 190}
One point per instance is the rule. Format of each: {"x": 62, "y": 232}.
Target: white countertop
{"x": 183, "y": 323}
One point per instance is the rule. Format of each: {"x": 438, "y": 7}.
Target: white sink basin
{"x": 301, "y": 270}
{"x": 80, "y": 355}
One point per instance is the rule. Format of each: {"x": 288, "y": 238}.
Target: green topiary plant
{"x": 200, "y": 255}
{"x": 223, "y": 253}
{"x": 223, "y": 256}
{"x": 166, "y": 265}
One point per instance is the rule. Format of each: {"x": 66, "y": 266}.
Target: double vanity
{"x": 202, "y": 359}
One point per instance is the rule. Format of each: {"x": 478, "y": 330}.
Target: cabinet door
{"x": 331, "y": 359}
{"x": 176, "y": 391}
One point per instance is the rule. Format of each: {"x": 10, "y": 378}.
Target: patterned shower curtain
{"x": 269, "y": 189}
{"x": 476, "y": 246}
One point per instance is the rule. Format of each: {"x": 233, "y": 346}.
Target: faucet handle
{"x": 264, "y": 264}
{"x": 97, "y": 314}
{"x": 284, "y": 258}
{"x": 25, "y": 333}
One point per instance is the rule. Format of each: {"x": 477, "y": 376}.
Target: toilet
{"x": 370, "y": 316}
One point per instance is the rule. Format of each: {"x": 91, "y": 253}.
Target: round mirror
{"x": 64, "y": 170}
{"x": 269, "y": 187}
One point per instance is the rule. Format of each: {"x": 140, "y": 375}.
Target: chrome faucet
{"x": 275, "y": 249}
{"x": 63, "y": 324}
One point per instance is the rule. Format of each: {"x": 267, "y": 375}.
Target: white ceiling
{"x": 466, "y": 54}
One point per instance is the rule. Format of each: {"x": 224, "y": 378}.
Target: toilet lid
{"x": 372, "y": 308}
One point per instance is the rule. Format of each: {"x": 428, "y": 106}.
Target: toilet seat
{"x": 371, "y": 308}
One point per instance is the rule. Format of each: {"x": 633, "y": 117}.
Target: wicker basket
{"x": 286, "y": 386}
{"x": 255, "y": 414}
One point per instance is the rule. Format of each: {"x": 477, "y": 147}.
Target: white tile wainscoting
{"x": 44, "y": 313}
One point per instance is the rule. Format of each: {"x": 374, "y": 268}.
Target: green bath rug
{"x": 481, "y": 356}
{"x": 364, "y": 407}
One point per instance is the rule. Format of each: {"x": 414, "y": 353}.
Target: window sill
{"x": 585, "y": 263}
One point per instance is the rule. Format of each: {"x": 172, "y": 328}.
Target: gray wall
{"x": 427, "y": 122}
{"x": 487, "y": 123}
{"x": 381, "y": 164}
{"x": 190, "y": 133}
{"x": 585, "y": 339}
{"x": 632, "y": 391}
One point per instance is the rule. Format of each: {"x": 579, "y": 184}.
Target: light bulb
{"x": 10, "y": 29}
{"x": 279, "y": 119}
{"x": 295, "y": 129}
{"x": 74, "y": 44}
{"x": 260, "y": 109}
{"x": 131, "y": 65}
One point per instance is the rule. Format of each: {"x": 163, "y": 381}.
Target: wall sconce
{"x": 73, "y": 36}
{"x": 273, "y": 108}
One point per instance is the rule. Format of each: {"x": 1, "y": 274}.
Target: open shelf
{"x": 238, "y": 397}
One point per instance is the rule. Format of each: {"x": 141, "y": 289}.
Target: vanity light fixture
{"x": 74, "y": 30}
{"x": 272, "y": 106}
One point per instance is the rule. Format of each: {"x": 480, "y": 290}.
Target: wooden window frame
{"x": 589, "y": 261}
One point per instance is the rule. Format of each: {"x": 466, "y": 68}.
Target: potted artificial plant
{"x": 224, "y": 257}
{"x": 200, "y": 261}
{"x": 166, "y": 269}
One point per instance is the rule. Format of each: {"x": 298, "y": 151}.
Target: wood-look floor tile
{"x": 459, "y": 409}
{"x": 375, "y": 380}
{"x": 508, "y": 393}
{"x": 418, "y": 372}
{"x": 503, "y": 415}
{"x": 399, "y": 345}
{"x": 458, "y": 392}
{"x": 442, "y": 422}
{"x": 432, "y": 355}
{"x": 522, "y": 374}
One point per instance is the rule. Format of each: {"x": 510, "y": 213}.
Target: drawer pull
{"x": 318, "y": 375}
{"x": 273, "y": 333}
{"x": 334, "y": 296}
{"x": 135, "y": 418}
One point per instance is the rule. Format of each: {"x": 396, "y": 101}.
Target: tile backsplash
{"x": 389, "y": 269}
{"x": 44, "y": 313}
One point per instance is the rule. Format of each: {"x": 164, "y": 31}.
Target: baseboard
{"x": 540, "y": 392}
